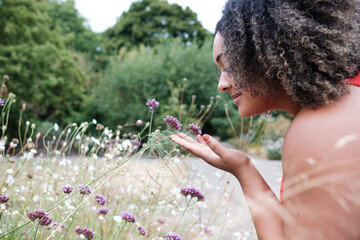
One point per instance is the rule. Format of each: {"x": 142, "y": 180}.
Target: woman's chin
{"x": 247, "y": 112}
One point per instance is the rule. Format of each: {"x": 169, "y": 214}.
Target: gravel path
{"x": 237, "y": 220}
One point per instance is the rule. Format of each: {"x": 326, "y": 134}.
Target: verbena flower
{"x": 100, "y": 199}
{"x": 152, "y": 104}
{"x": 173, "y": 236}
{"x": 128, "y": 217}
{"x": 67, "y": 188}
{"x": 85, "y": 190}
{"x": 194, "y": 129}
{"x": 40, "y": 214}
{"x": 103, "y": 210}
{"x": 88, "y": 233}
{"x": 161, "y": 220}
{"x": 172, "y": 123}
{"x": 2, "y": 102}
{"x": 193, "y": 192}
{"x": 142, "y": 231}
{"x": 4, "y": 198}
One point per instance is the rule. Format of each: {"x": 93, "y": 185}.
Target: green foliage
{"x": 43, "y": 73}
{"x": 148, "y": 22}
{"x": 66, "y": 19}
{"x": 142, "y": 74}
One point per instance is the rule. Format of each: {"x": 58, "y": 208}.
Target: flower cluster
{"x": 194, "y": 129}
{"x": 4, "y": 198}
{"x": 152, "y": 104}
{"x": 128, "y": 217}
{"x": 67, "y": 188}
{"x": 84, "y": 190}
{"x": 172, "y": 123}
{"x": 100, "y": 199}
{"x": 173, "y": 236}
{"x": 40, "y": 214}
{"x": 142, "y": 231}
{"x": 88, "y": 233}
{"x": 193, "y": 192}
{"x": 103, "y": 210}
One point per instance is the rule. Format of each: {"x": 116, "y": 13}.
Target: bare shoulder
{"x": 321, "y": 163}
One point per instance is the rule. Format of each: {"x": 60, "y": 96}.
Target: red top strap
{"x": 354, "y": 81}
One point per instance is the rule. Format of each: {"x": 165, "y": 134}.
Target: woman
{"x": 302, "y": 57}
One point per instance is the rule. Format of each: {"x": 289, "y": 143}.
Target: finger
{"x": 200, "y": 140}
{"x": 214, "y": 144}
{"x": 187, "y": 138}
{"x": 190, "y": 146}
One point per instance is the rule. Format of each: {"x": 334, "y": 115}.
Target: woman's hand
{"x": 209, "y": 149}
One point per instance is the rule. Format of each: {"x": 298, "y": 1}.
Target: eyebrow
{"x": 218, "y": 57}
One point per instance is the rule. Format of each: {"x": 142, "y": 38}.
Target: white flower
{"x": 118, "y": 219}
{"x": 96, "y": 141}
{"x": 36, "y": 198}
{"x": 10, "y": 171}
{"x": 12, "y": 145}
{"x": 56, "y": 127}
{"x": 143, "y": 197}
{"x": 94, "y": 121}
{"x": 91, "y": 168}
{"x": 2, "y": 146}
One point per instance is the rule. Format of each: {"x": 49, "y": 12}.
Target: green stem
{"x": 37, "y": 226}
{"x": 151, "y": 119}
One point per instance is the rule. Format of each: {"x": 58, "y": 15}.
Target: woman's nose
{"x": 224, "y": 83}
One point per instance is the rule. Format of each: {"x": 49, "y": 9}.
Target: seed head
{"x": 6, "y": 77}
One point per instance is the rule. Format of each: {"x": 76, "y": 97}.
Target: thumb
{"x": 214, "y": 145}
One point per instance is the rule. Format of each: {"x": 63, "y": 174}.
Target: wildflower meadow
{"x": 86, "y": 181}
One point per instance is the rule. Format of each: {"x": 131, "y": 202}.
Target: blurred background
{"x": 68, "y": 67}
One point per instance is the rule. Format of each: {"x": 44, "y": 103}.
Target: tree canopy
{"x": 148, "y": 22}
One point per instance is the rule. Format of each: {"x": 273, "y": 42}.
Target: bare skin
{"x": 321, "y": 166}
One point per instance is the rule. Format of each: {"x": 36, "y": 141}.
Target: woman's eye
{"x": 218, "y": 71}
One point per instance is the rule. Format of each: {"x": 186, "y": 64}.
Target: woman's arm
{"x": 264, "y": 206}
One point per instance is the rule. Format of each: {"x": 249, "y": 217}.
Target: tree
{"x": 73, "y": 27}
{"x": 148, "y": 22}
{"x": 43, "y": 73}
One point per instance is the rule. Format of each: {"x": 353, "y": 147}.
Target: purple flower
{"x": 173, "y": 236}
{"x": 208, "y": 231}
{"x": 172, "y": 123}
{"x": 128, "y": 217}
{"x": 2, "y": 102}
{"x": 194, "y": 129}
{"x": 137, "y": 143}
{"x": 103, "y": 210}
{"x": 40, "y": 214}
{"x": 67, "y": 188}
{"x": 142, "y": 231}
{"x": 88, "y": 233}
{"x": 4, "y": 198}
{"x": 152, "y": 104}
{"x": 193, "y": 192}
{"x": 100, "y": 199}
{"x": 84, "y": 190}
{"x": 45, "y": 221}
{"x": 161, "y": 220}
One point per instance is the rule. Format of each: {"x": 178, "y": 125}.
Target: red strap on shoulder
{"x": 281, "y": 190}
{"x": 354, "y": 81}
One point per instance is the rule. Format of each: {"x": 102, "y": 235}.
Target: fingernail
{"x": 206, "y": 137}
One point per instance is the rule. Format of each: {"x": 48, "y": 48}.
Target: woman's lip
{"x": 236, "y": 97}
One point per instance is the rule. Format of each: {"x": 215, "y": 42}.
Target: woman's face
{"x": 247, "y": 105}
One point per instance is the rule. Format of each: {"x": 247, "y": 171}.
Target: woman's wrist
{"x": 244, "y": 163}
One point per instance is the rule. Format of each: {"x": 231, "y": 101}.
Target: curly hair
{"x": 306, "y": 47}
